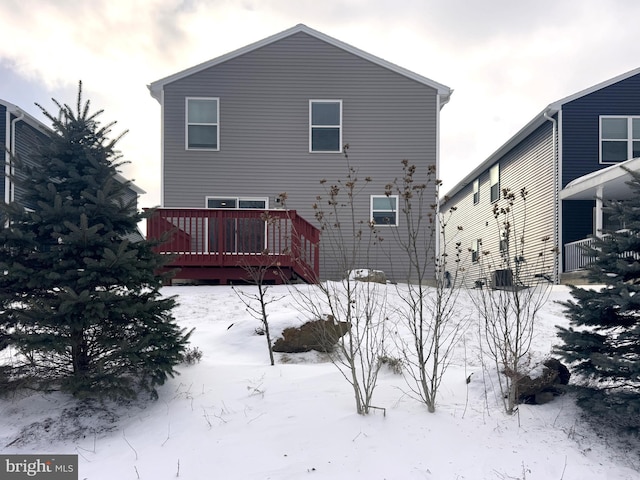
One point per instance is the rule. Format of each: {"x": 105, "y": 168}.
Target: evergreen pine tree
{"x": 603, "y": 341}
{"x": 79, "y": 300}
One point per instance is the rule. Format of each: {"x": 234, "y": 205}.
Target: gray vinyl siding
{"x": 264, "y": 129}
{"x": 528, "y": 165}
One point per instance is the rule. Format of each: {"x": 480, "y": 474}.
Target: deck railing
{"x": 204, "y": 237}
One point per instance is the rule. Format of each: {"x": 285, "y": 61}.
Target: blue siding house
{"x": 569, "y": 158}
{"x": 20, "y": 136}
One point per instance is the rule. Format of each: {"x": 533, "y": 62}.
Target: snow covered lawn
{"x": 232, "y": 416}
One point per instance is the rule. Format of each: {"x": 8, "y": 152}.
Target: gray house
{"x": 569, "y": 158}
{"x": 20, "y": 136}
{"x": 272, "y": 117}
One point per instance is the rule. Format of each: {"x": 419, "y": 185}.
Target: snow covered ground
{"x": 233, "y": 416}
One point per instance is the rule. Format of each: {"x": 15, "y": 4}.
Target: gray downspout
{"x": 9, "y": 193}
{"x": 556, "y": 199}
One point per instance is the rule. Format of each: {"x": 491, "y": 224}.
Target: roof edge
{"x": 551, "y": 109}
{"x": 156, "y": 87}
{"x": 524, "y": 132}
{"x": 28, "y": 118}
{"x": 34, "y": 122}
{"x": 597, "y": 177}
{"x": 594, "y": 88}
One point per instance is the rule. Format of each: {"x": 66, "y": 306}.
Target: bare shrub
{"x": 432, "y": 284}
{"x": 520, "y": 286}
{"x": 348, "y": 242}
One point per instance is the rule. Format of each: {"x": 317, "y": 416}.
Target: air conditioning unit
{"x": 503, "y": 278}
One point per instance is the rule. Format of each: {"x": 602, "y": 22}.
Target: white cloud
{"x": 505, "y": 60}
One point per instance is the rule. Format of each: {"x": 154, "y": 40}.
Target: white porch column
{"x": 599, "y": 193}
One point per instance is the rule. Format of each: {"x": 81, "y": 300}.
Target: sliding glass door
{"x": 237, "y": 235}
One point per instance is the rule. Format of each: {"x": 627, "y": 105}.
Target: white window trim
{"x": 629, "y": 139}
{"x": 311, "y": 126}
{"x": 238, "y": 200}
{"x": 476, "y": 246}
{"x": 396, "y": 197}
{"x": 476, "y": 191}
{"x": 186, "y": 124}
{"x": 503, "y": 242}
{"x": 491, "y": 183}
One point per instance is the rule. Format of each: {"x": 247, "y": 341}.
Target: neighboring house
{"x": 569, "y": 158}
{"x": 272, "y": 117}
{"x": 20, "y": 136}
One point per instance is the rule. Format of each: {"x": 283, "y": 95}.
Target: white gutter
{"x": 556, "y": 198}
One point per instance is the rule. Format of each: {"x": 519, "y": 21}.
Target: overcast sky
{"x": 505, "y": 59}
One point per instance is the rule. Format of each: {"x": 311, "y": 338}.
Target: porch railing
{"x": 576, "y": 259}
{"x": 574, "y": 255}
{"x": 204, "y": 237}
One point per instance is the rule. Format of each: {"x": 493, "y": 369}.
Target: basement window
{"x": 384, "y": 210}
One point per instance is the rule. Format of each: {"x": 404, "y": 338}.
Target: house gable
{"x": 265, "y": 95}
{"x": 581, "y": 124}
{"x": 156, "y": 87}
{"x": 264, "y": 101}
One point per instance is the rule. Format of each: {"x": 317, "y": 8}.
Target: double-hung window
{"x": 475, "y": 250}
{"x": 203, "y": 124}
{"x": 494, "y": 178}
{"x": 476, "y": 191}
{"x": 619, "y": 138}
{"x": 504, "y": 240}
{"x": 325, "y": 126}
{"x": 384, "y": 210}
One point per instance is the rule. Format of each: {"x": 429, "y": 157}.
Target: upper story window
{"x": 476, "y": 191}
{"x": 203, "y": 124}
{"x": 325, "y": 126}
{"x": 619, "y": 138}
{"x": 494, "y": 177}
{"x": 384, "y": 210}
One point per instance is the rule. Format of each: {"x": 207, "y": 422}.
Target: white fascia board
{"x": 587, "y": 91}
{"x": 589, "y": 183}
{"x": 17, "y": 111}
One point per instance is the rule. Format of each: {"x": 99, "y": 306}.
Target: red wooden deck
{"x": 223, "y": 245}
